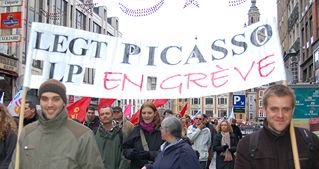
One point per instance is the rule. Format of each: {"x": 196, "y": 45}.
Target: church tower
{"x": 253, "y": 13}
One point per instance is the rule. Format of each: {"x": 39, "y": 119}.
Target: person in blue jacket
{"x": 175, "y": 152}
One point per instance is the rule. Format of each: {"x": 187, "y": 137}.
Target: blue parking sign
{"x": 239, "y": 101}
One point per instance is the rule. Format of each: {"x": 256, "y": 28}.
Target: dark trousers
{"x": 203, "y": 164}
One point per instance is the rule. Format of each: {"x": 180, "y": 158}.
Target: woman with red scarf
{"x": 143, "y": 144}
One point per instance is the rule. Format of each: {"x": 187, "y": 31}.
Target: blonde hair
{"x": 219, "y": 127}
{"x": 7, "y": 122}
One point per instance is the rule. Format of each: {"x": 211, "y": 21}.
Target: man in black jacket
{"x": 236, "y": 130}
{"x": 271, "y": 146}
{"x": 92, "y": 121}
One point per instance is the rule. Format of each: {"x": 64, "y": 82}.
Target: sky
{"x": 143, "y": 20}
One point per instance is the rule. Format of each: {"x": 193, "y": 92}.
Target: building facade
{"x": 79, "y": 14}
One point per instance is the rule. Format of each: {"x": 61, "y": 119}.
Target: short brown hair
{"x": 279, "y": 90}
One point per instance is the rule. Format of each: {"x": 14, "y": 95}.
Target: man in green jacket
{"x": 54, "y": 141}
{"x": 109, "y": 140}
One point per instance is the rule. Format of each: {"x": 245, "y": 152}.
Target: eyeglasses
{"x": 198, "y": 118}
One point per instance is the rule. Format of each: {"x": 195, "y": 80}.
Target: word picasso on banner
{"x": 174, "y": 69}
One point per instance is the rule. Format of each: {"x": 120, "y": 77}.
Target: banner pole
{"x": 21, "y": 117}
{"x": 293, "y": 140}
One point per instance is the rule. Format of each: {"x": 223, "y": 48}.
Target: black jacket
{"x": 33, "y": 119}
{"x": 134, "y": 151}
{"x": 93, "y": 125}
{"x": 237, "y": 132}
{"x": 220, "y": 163}
{"x": 274, "y": 151}
{"x": 7, "y": 147}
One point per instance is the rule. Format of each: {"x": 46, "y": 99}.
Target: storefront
{"x": 8, "y": 75}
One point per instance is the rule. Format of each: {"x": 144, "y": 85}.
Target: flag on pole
{"x": 159, "y": 102}
{"x": 1, "y": 97}
{"x": 183, "y": 110}
{"x": 105, "y": 102}
{"x": 199, "y": 112}
{"x": 128, "y": 111}
{"x": 15, "y": 104}
{"x": 135, "y": 117}
{"x": 231, "y": 116}
{"x": 77, "y": 110}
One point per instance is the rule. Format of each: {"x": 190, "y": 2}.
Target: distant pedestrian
{"x": 54, "y": 141}
{"x": 200, "y": 136}
{"x": 91, "y": 121}
{"x": 225, "y": 144}
{"x": 175, "y": 152}
{"x": 109, "y": 139}
{"x": 236, "y": 130}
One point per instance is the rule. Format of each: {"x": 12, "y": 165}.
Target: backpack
{"x": 253, "y": 141}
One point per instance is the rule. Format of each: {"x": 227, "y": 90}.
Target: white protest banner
{"x": 176, "y": 69}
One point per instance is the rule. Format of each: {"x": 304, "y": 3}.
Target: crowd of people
{"x": 51, "y": 140}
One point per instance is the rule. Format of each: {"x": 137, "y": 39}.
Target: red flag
{"x": 135, "y": 117}
{"x": 105, "y": 102}
{"x": 128, "y": 111}
{"x": 77, "y": 110}
{"x": 183, "y": 110}
{"x": 159, "y": 102}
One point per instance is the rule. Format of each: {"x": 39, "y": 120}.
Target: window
{"x": 222, "y": 100}
{"x": 97, "y": 28}
{"x": 80, "y": 20}
{"x": 195, "y": 101}
{"x": 260, "y": 102}
{"x": 261, "y": 93}
{"x": 63, "y": 19}
{"x": 151, "y": 83}
{"x": 222, "y": 112}
{"x": 261, "y": 114}
{"x": 208, "y": 100}
{"x": 96, "y": 10}
{"x": 209, "y": 112}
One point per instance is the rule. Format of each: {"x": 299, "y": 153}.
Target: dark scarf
{"x": 148, "y": 127}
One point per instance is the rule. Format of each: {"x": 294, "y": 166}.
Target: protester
{"x": 175, "y": 152}
{"x": 200, "y": 136}
{"x": 126, "y": 126}
{"x": 270, "y": 147}
{"x": 183, "y": 121}
{"x": 54, "y": 141}
{"x": 91, "y": 121}
{"x": 8, "y": 137}
{"x": 168, "y": 113}
{"x": 109, "y": 139}
{"x": 143, "y": 144}
{"x": 30, "y": 112}
{"x": 225, "y": 144}
{"x": 236, "y": 130}
{"x": 212, "y": 133}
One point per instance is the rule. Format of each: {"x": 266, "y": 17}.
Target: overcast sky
{"x": 183, "y": 19}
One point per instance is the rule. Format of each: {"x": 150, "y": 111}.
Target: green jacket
{"x": 110, "y": 146}
{"x": 59, "y": 143}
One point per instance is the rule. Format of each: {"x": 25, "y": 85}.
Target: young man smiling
{"x": 55, "y": 141}
{"x": 274, "y": 146}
